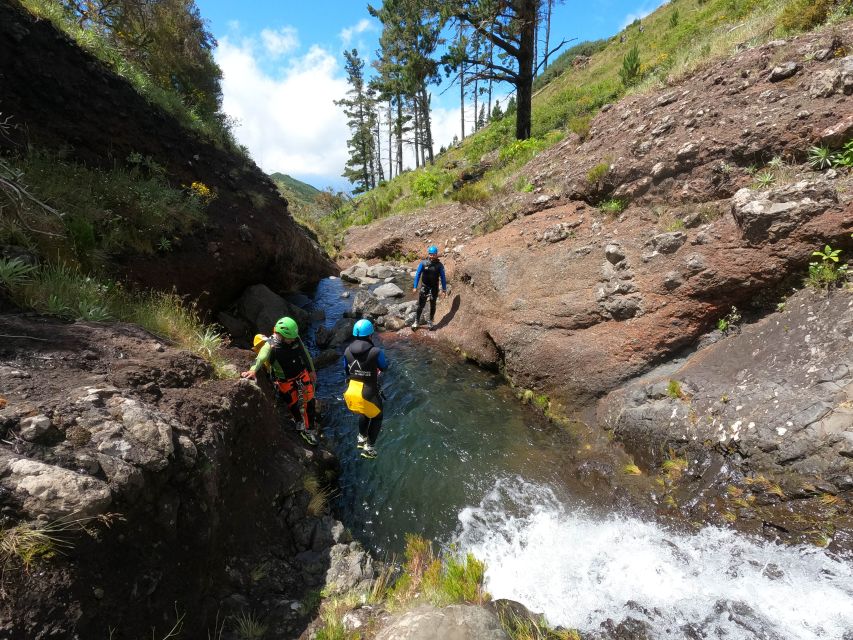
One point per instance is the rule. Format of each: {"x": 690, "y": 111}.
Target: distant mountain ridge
{"x": 301, "y": 190}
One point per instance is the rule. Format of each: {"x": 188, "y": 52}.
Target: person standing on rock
{"x": 363, "y": 364}
{"x": 431, "y": 270}
{"x": 292, "y": 373}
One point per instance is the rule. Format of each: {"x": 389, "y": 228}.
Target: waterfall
{"x": 580, "y": 570}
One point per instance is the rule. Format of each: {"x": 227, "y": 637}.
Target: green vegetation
{"x": 822, "y": 157}
{"x": 674, "y": 391}
{"x": 598, "y": 172}
{"x": 729, "y": 321}
{"x": 565, "y": 60}
{"x": 163, "y": 49}
{"x": 438, "y": 579}
{"x": 826, "y": 271}
{"x": 629, "y": 73}
{"x": 803, "y": 15}
{"x": 318, "y": 495}
{"x": 29, "y": 542}
{"x": 426, "y": 184}
{"x": 248, "y": 626}
{"x": 94, "y": 213}
{"x": 535, "y": 627}
{"x": 294, "y": 188}
{"x": 66, "y": 292}
{"x": 632, "y": 470}
{"x": 613, "y": 206}
{"x": 569, "y": 95}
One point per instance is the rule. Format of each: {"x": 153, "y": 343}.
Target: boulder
{"x": 456, "y": 622}
{"x": 367, "y": 305}
{"x": 783, "y": 71}
{"x": 34, "y": 427}
{"x": 381, "y": 271}
{"x": 262, "y": 307}
{"x": 355, "y": 273}
{"x": 773, "y": 214}
{"x": 350, "y": 568}
{"x": 55, "y": 492}
{"x": 389, "y": 290}
{"x": 337, "y": 335}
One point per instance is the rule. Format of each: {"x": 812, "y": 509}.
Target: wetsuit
{"x": 293, "y": 375}
{"x": 431, "y": 271}
{"x": 362, "y": 363}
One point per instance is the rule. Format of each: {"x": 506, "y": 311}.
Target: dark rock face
{"x": 65, "y": 99}
{"x": 193, "y": 493}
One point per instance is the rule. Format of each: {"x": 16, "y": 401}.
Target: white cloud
{"x": 350, "y": 32}
{"x": 641, "y": 12}
{"x": 288, "y": 122}
{"x": 278, "y": 43}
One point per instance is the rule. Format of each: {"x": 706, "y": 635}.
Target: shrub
{"x": 673, "y": 390}
{"x": 520, "y": 150}
{"x": 630, "y": 71}
{"x": 826, "y": 271}
{"x": 820, "y": 157}
{"x": 581, "y": 125}
{"x": 613, "y": 207}
{"x": 15, "y": 272}
{"x": 472, "y": 194}
{"x": 804, "y": 15}
{"x": 598, "y": 172}
{"x": 426, "y": 185}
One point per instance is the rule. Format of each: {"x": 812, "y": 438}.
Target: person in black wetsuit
{"x": 292, "y": 373}
{"x": 430, "y": 271}
{"x": 363, "y": 361}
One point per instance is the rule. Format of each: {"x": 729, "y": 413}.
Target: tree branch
{"x": 554, "y": 50}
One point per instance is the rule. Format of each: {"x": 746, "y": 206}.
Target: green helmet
{"x": 287, "y": 327}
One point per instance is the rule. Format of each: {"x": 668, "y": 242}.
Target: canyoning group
{"x": 290, "y": 368}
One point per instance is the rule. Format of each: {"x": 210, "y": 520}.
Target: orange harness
{"x": 291, "y": 388}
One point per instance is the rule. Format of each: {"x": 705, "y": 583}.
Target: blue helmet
{"x": 433, "y": 250}
{"x": 362, "y": 328}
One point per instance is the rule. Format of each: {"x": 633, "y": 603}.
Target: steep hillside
{"x": 60, "y": 98}
{"x": 291, "y": 186}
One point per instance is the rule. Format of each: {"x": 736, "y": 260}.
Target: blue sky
{"x": 282, "y": 68}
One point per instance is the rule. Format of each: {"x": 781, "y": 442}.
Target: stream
{"x": 463, "y": 462}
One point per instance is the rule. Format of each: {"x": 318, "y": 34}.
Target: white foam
{"x": 580, "y": 571}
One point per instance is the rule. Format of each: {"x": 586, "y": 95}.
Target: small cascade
{"x": 581, "y": 569}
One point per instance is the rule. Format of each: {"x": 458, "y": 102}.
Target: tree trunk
{"x": 428, "y": 125}
{"x": 462, "y": 87}
{"x": 548, "y": 32}
{"x": 390, "y": 140}
{"x": 416, "y": 133}
{"x": 380, "y": 172}
{"x": 399, "y": 134}
{"x": 491, "y": 62}
{"x": 524, "y": 83}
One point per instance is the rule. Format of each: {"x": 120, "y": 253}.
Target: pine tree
{"x": 497, "y": 114}
{"x": 481, "y": 117}
{"x": 360, "y": 168}
{"x": 410, "y": 35}
{"x": 510, "y": 25}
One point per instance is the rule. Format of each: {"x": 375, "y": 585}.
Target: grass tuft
{"x": 248, "y": 626}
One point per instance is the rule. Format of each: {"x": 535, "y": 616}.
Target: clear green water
{"x": 450, "y": 431}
